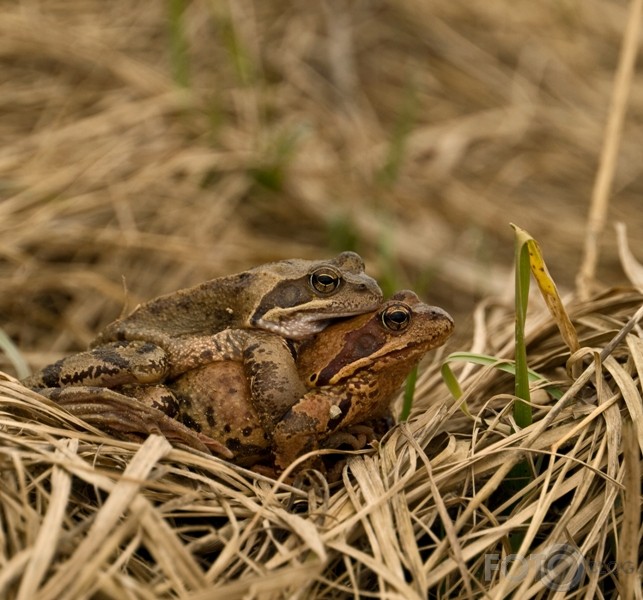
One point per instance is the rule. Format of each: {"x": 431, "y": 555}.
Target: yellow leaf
{"x": 549, "y": 292}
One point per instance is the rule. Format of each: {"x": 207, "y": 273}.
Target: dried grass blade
{"x": 629, "y": 540}
{"x": 13, "y": 354}
{"x": 476, "y": 501}
{"x": 632, "y": 267}
{"x": 631, "y": 395}
{"x": 613, "y": 425}
{"x": 73, "y": 575}
{"x": 548, "y": 493}
{"x": 609, "y": 151}
{"x": 363, "y": 507}
{"x": 635, "y": 346}
{"x": 378, "y": 568}
{"x": 305, "y": 529}
{"x": 385, "y": 541}
{"x": 447, "y": 523}
{"x": 11, "y": 570}
{"x": 399, "y": 502}
{"x": 272, "y": 584}
{"x": 46, "y": 543}
{"x": 570, "y": 395}
{"x": 172, "y": 556}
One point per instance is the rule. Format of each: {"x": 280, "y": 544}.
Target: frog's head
{"x": 301, "y": 296}
{"x": 381, "y": 346}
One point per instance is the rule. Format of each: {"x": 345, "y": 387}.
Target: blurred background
{"x": 148, "y": 146}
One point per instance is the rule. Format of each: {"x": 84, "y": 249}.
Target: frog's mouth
{"x": 302, "y": 327}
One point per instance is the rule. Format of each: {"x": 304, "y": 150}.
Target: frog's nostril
{"x": 436, "y": 314}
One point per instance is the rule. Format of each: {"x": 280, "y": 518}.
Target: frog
{"x": 217, "y": 320}
{"x": 356, "y": 370}
{"x": 351, "y": 371}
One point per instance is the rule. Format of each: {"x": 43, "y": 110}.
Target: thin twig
{"x": 609, "y": 152}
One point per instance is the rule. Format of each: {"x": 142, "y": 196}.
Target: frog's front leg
{"x": 107, "y": 409}
{"x": 268, "y": 364}
{"x": 303, "y": 426}
{"x": 323, "y": 419}
{"x": 109, "y": 365}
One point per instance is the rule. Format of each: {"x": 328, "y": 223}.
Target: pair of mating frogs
{"x": 259, "y": 367}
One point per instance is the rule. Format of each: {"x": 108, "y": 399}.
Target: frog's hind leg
{"x": 129, "y": 417}
{"x": 110, "y": 365}
{"x": 268, "y": 364}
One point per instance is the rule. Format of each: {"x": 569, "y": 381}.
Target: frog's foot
{"x": 265, "y": 470}
{"x": 108, "y": 366}
{"x": 305, "y": 475}
{"x": 191, "y": 352}
{"x": 343, "y": 439}
{"x": 358, "y": 436}
{"x": 127, "y": 416}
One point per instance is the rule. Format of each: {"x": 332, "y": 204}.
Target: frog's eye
{"x": 325, "y": 280}
{"x": 396, "y": 318}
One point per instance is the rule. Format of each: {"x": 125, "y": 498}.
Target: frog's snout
{"x": 439, "y": 314}
{"x": 441, "y": 322}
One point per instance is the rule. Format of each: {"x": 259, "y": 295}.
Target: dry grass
{"x": 412, "y": 132}
{"x": 87, "y": 515}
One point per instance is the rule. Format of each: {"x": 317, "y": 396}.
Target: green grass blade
{"x": 451, "y": 380}
{"x": 453, "y": 385}
{"x": 179, "y": 59}
{"x": 502, "y": 364}
{"x": 409, "y": 392}
{"x": 522, "y": 410}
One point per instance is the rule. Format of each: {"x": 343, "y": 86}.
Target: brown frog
{"x": 352, "y": 370}
{"x": 217, "y": 320}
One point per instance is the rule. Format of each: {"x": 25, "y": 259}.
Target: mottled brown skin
{"x": 132, "y": 419}
{"x": 352, "y": 370}
{"x": 356, "y": 368}
{"x": 292, "y": 298}
{"x": 218, "y": 320}
{"x": 215, "y": 400}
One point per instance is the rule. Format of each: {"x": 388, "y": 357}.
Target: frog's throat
{"x": 302, "y": 326}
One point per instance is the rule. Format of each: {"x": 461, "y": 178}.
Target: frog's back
{"x": 294, "y": 298}
{"x": 206, "y": 308}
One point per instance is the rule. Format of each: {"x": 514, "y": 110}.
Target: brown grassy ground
{"x": 166, "y": 151}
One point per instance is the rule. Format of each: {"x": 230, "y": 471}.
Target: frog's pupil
{"x": 325, "y": 282}
{"x": 396, "y": 318}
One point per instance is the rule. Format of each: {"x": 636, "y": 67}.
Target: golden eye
{"x": 324, "y": 280}
{"x": 396, "y": 318}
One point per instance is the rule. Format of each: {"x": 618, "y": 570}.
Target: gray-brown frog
{"x": 217, "y": 320}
